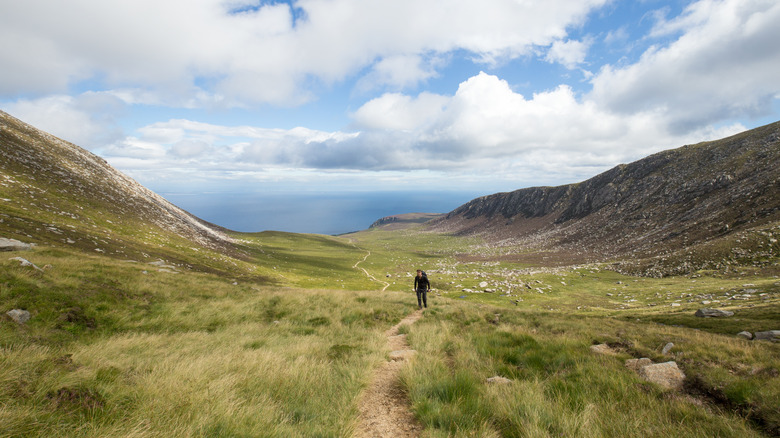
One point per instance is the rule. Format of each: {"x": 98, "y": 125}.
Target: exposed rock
{"x": 499, "y": 380}
{"x": 401, "y": 355}
{"x": 771, "y": 335}
{"x": 18, "y": 315}
{"x": 664, "y": 205}
{"x": 666, "y": 375}
{"x": 637, "y": 364}
{"x": 25, "y": 262}
{"x": 667, "y": 348}
{"x": 13, "y": 245}
{"x": 602, "y": 349}
{"x": 745, "y": 335}
{"x": 712, "y": 313}
{"x": 483, "y": 284}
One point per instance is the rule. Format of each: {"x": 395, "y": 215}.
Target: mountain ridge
{"x": 669, "y": 200}
{"x": 64, "y": 182}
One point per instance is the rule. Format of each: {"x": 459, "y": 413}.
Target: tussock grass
{"x": 187, "y": 354}
{"x": 559, "y": 388}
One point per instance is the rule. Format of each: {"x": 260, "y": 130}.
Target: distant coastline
{"x": 329, "y": 213}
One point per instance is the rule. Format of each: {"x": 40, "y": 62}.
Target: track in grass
{"x": 384, "y": 406}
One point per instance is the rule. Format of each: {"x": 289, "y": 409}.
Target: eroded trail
{"x": 386, "y": 284}
{"x": 384, "y": 407}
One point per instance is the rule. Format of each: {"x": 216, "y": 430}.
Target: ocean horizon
{"x": 330, "y": 213}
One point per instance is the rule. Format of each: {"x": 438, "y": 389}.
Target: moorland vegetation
{"x": 144, "y": 323}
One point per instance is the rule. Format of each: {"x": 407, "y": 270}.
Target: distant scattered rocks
{"x": 745, "y": 335}
{"x": 13, "y": 245}
{"x": 498, "y": 380}
{"x": 666, "y": 374}
{"x": 771, "y": 335}
{"x": 713, "y": 313}
{"x": 19, "y": 316}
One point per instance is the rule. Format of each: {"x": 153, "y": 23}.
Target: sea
{"x": 329, "y": 213}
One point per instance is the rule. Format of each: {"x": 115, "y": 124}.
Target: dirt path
{"x": 384, "y": 407}
{"x": 369, "y": 275}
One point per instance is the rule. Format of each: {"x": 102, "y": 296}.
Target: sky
{"x": 208, "y": 100}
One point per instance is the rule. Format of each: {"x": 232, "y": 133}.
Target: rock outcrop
{"x": 713, "y": 313}
{"x": 660, "y": 204}
{"x": 13, "y": 245}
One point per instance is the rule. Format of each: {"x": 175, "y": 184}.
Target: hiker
{"x": 422, "y": 286}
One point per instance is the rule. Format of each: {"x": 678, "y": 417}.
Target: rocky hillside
{"x": 401, "y": 221}
{"x": 54, "y": 192}
{"x": 672, "y": 201}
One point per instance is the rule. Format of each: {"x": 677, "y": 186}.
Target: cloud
{"x": 484, "y": 130}
{"x": 234, "y": 53}
{"x": 569, "y": 53}
{"x": 723, "y": 65}
{"x": 88, "y": 120}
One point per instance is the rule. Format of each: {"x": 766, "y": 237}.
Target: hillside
{"x": 54, "y": 192}
{"x": 693, "y": 196}
{"x": 402, "y": 221}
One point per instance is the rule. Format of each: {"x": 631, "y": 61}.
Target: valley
{"x": 142, "y": 320}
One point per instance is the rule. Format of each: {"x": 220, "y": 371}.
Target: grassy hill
{"x": 173, "y": 329}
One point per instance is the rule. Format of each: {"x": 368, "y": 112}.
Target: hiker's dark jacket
{"x": 421, "y": 283}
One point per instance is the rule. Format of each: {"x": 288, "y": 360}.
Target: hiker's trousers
{"x": 422, "y": 297}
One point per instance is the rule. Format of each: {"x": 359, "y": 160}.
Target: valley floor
{"x": 119, "y": 348}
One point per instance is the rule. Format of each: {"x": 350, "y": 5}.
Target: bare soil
{"x": 384, "y": 406}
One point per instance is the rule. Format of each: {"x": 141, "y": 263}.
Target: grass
{"x": 188, "y": 354}
{"x": 118, "y": 347}
{"x": 560, "y": 388}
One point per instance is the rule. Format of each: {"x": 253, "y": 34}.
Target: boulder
{"x": 666, "y": 375}
{"x": 712, "y": 313}
{"x": 401, "y": 355}
{"x": 667, "y": 348}
{"x": 771, "y": 335}
{"x": 18, "y": 315}
{"x": 25, "y": 262}
{"x": 13, "y": 245}
{"x": 498, "y": 380}
{"x": 745, "y": 335}
{"x": 637, "y": 364}
{"x": 483, "y": 284}
{"x": 602, "y": 349}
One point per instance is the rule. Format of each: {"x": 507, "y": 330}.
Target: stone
{"x": 666, "y": 374}
{"x": 667, "y": 348}
{"x": 602, "y": 349}
{"x": 13, "y": 245}
{"x": 745, "y": 335}
{"x": 675, "y": 304}
{"x": 18, "y": 315}
{"x": 483, "y": 284}
{"x": 712, "y": 313}
{"x": 637, "y": 364}
{"x": 25, "y": 262}
{"x": 771, "y": 335}
{"x": 499, "y": 380}
{"x": 401, "y": 355}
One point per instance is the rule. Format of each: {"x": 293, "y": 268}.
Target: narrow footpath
{"x": 368, "y": 274}
{"x": 384, "y": 406}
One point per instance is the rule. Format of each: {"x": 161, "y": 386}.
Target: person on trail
{"x": 422, "y": 286}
